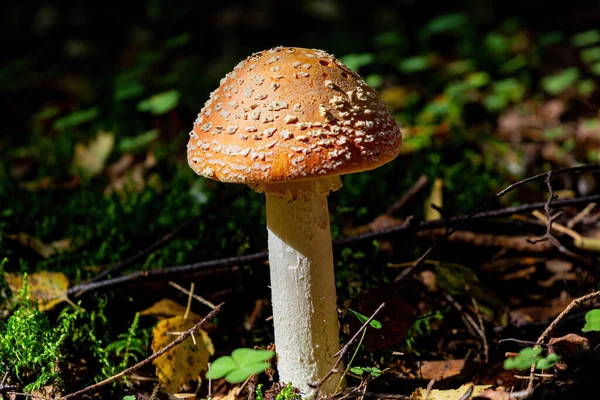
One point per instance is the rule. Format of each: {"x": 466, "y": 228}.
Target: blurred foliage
{"x": 99, "y": 103}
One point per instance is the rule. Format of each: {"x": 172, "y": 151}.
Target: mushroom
{"x": 288, "y": 122}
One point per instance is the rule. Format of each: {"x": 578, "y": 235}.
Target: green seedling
{"x": 531, "y": 356}
{"x": 240, "y": 365}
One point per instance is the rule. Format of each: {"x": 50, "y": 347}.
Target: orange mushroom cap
{"x": 291, "y": 113}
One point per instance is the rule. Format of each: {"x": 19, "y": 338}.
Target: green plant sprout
{"x": 240, "y": 365}
{"x": 373, "y": 371}
{"x": 592, "y": 321}
{"x": 531, "y": 356}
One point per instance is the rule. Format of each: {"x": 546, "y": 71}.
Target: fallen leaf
{"x": 48, "y": 288}
{"x": 45, "y": 250}
{"x": 570, "y": 344}
{"x": 440, "y": 369}
{"x": 450, "y": 394}
{"x": 184, "y": 363}
{"x": 89, "y": 159}
{"x": 128, "y": 175}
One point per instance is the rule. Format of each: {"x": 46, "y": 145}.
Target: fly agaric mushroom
{"x": 288, "y": 122}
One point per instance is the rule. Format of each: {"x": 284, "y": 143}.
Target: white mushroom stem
{"x": 303, "y": 286}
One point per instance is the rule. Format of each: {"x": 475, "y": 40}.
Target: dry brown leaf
{"x": 45, "y": 250}
{"x": 570, "y": 344}
{"x": 440, "y": 369}
{"x": 127, "y": 175}
{"x": 48, "y": 288}
{"x": 90, "y": 159}
{"x": 184, "y": 363}
{"x": 450, "y": 394}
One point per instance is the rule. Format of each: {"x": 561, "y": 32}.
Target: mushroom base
{"x": 303, "y": 289}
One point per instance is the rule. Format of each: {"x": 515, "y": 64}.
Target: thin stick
{"x": 410, "y": 193}
{"x": 210, "y": 265}
{"x": 574, "y": 304}
{"x": 581, "y": 215}
{"x": 148, "y": 360}
{"x": 195, "y": 296}
{"x": 189, "y": 302}
{"x": 340, "y": 354}
{"x": 486, "y": 347}
{"x": 403, "y": 278}
{"x": 117, "y": 267}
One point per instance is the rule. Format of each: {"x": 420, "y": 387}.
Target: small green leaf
{"x": 244, "y": 356}
{"x": 595, "y": 68}
{"x": 139, "y": 142}
{"x": 547, "y": 362}
{"x": 357, "y": 370}
{"x": 524, "y": 360}
{"x": 414, "y": 64}
{"x": 445, "y": 23}
{"x": 130, "y": 397}
{"x": 586, "y": 38}
{"x": 374, "y": 323}
{"x": 241, "y": 374}
{"x": 374, "y": 80}
{"x": 76, "y": 118}
{"x": 590, "y": 54}
{"x": 374, "y": 371}
{"x": 160, "y": 103}
{"x": 356, "y": 61}
{"x": 221, "y": 367}
{"x": 558, "y": 83}
{"x": 128, "y": 90}
{"x": 592, "y": 321}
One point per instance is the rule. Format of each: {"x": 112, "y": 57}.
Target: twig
{"x": 403, "y": 278}
{"x": 581, "y": 215}
{"x": 409, "y": 194}
{"x": 467, "y": 319}
{"x": 195, "y": 296}
{"x": 429, "y": 388}
{"x": 486, "y": 347}
{"x": 117, "y": 267}
{"x": 551, "y": 217}
{"x": 148, "y": 360}
{"x": 365, "y": 237}
{"x": 340, "y": 354}
{"x": 467, "y": 394}
{"x": 574, "y": 304}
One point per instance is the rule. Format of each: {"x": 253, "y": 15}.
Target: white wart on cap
{"x": 289, "y": 114}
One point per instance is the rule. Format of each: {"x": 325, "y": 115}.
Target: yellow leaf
{"x": 450, "y": 394}
{"x": 167, "y": 308}
{"x": 45, "y": 250}
{"x": 89, "y": 159}
{"x": 185, "y": 362}
{"x": 48, "y": 288}
{"x": 434, "y": 198}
